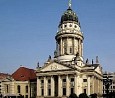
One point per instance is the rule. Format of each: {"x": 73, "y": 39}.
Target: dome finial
{"x": 69, "y": 3}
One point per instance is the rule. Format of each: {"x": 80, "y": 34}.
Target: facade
{"x": 3, "y": 78}
{"x": 21, "y": 82}
{"x": 111, "y": 76}
{"x": 67, "y": 72}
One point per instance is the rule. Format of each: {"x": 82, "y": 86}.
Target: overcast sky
{"x": 28, "y": 29}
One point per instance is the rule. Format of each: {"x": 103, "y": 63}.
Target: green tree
{"x": 73, "y": 95}
{"x": 83, "y": 95}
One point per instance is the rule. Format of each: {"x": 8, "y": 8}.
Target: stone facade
{"x": 67, "y": 72}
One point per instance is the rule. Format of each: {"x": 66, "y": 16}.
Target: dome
{"x": 69, "y": 15}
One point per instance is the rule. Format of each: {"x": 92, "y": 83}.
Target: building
{"x": 111, "y": 78}
{"x": 21, "y": 82}
{"x": 67, "y": 72}
{"x": 3, "y": 77}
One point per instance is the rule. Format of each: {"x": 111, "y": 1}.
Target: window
{"x": 49, "y": 81}
{"x": 72, "y": 79}
{"x": 26, "y": 96}
{"x": 64, "y": 80}
{"x": 49, "y": 92}
{"x": 65, "y": 25}
{"x": 113, "y": 87}
{"x": 64, "y": 91}
{"x": 72, "y": 90}
{"x": 42, "y": 81}
{"x": 70, "y": 50}
{"x": 70, "y": 25}
{"x": 84, "y": 90}
{"x": 18, "y": 88}
{"x": 26, "y": 89}
{"x": 84, "y": 80}
{"x": 42, "y": 92}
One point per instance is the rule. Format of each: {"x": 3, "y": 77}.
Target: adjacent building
{"x": 67, "y": 72}
{"x": 111, "y": 80}
{"x": 21, "y": 83}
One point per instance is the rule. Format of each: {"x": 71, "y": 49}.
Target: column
{"x": 67, "y": 47}
{"x": 38, "y": 87}
{"x": 74, "y": 45}
{"x": 45, "y": 86}
{"x": 67, "y": 86}
{"x": 76, "y": 85}
{"x": 61, "y": 49}
{"x": 88, "y": 85}
{"x": 59, "y": 86}
{"x": 52, "y": 86}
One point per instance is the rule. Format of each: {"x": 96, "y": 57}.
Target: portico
{"x": 57, "y": 85}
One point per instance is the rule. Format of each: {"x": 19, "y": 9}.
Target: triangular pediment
{"x": 54, "y": 67}
{"x": 7, "y": 79}
{"x": 99, "y": 70}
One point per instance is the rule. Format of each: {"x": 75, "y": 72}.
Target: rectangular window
{"x": 64, "y": 80}
{"x": 49, "y": 81}
{"x": 42, "y": 81}
{"x": 71, "y": 50}
{"x": 26, "y": 89}
{"x": 72, "y": 90}
{"x": 64, "y": 91}
{"x": 42, "y": 92}
{"x": 26, "y": 96}
{"x": 72, "y": 79}
{"x": 84, "y": 80}
{"x": 49, "y": 92}
{"x": 85, "y": 91}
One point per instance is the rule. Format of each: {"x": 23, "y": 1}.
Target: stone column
{"x": 38, "y": 87}
{"x": 59, "y": 86}
{"x": 45, "y": 86}
{"x": 61, "y": 49}
{"x": 67, "y": 86}
{"x": 76, "y": 85}
{"x": 88, "y": 85}
{"x": 52, "y": 86}
{"x": 74, "y": 45}
{"x": 67, "y": 48}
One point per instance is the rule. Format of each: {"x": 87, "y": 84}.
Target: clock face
{"x": 53, "y": 67}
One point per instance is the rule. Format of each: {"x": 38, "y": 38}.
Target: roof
{"x": 24, "y": 74}
{"x": 69, "y": 15}
{"x": 3, "y": 75}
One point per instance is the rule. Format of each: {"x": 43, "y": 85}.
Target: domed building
{"x": 66, "y": 72}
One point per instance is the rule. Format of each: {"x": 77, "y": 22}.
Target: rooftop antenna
{"x": 69, "y": 3}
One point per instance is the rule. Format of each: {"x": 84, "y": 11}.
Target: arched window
{"x": 18, "y": 89}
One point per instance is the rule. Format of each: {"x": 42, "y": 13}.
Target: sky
{"x": 28, "y": 29}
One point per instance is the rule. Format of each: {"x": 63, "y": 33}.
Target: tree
{"x": 73, "y": 95}
{"x": 93, "y": 95}
{"x": 83, "y": 95}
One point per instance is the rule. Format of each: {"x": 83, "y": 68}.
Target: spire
{"x": 69, "y": 3}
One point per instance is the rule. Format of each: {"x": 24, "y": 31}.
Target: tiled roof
{"x": 3, "y": 75}
{"x": 24, "y": 74}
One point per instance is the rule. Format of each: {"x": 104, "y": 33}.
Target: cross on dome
{"x": 70, "y": 3}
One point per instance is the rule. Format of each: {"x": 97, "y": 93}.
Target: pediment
{"x": 55, "y": 67}
{"x": 99, "y": 70}
{"x": 7, "y": 79}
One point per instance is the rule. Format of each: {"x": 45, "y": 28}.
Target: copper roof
{"x": 24, "y": 74}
